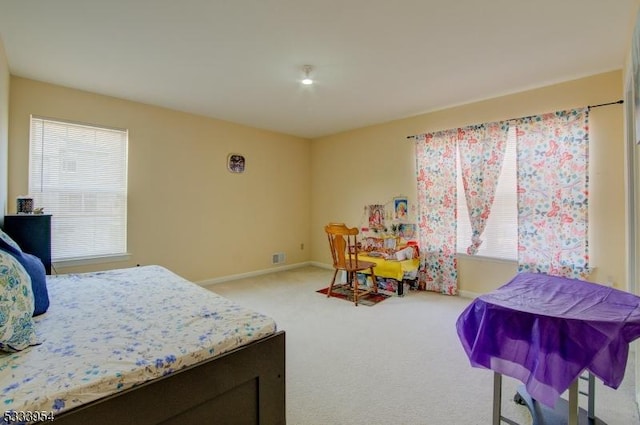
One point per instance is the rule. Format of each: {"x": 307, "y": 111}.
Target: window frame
{"x": 461, "y": 245}
{"x": 121, "y": 191}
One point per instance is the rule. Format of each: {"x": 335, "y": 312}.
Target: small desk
{"x": 393, "y": 269}
{"x": 545, "y": 331}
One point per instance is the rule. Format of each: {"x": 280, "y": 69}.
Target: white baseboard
{"x": 462, "y": 293}
{"x": 321, "y": 265}
{"x": 207, "y": 282}
{"x": 228, "y": 278}
{"x": 468, "y": 294}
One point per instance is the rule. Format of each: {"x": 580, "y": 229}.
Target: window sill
{"x": 483, "y": 258}
{"x": 72, "y": 262}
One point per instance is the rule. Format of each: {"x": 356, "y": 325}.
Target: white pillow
{"x": 17, "y": 330}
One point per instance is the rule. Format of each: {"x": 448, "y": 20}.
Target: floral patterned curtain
{"x": 481, "y": 150}
{"x": 436, "y": 176}
{"x": 553, "y": 193}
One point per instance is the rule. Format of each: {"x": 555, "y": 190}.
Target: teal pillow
{"x": 17, "y": 329}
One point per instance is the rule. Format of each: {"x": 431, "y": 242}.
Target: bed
{"x": 145, "y": 346}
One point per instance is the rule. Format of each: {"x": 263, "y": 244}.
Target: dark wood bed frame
{"x": 244, "y": 386}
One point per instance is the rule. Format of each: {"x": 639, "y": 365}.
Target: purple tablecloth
{"x": 545, "y": 331}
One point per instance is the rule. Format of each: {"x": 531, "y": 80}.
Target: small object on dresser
{"x": 24, "y": 205}
{"x": 39, "y": 210}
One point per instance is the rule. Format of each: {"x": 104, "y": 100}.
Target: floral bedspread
{"x": 105, "y": 332}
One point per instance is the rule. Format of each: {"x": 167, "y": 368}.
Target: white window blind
{"x": 500, "y": 237}
{"x": 78, "y": 173}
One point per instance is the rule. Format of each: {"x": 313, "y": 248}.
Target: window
{"x": 500, "y": 237}
{"x": 78, "y": 173}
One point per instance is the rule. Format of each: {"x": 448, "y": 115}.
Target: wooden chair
{"x": 344, "y": 250}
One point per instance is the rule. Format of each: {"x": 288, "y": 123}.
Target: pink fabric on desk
{"x": 546, "y": 330}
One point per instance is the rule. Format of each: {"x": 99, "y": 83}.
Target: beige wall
{"x": 374, "y": 164}
{"x": 185, "y": 210}
{"x": 188, "y": 213}
{"x": 4, "y": 128}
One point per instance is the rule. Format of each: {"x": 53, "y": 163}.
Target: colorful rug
{"x": 345, "y": 293}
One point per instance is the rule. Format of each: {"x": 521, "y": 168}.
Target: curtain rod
{"x": 617, "y": 102}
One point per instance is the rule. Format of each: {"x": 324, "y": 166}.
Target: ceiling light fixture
{"x": 307, "y": 79}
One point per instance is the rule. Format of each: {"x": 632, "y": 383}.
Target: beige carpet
{"x": 398, "y": 362}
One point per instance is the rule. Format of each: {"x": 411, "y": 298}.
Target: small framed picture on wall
{"x": 376, "y": 216}
{"x": 407, "y": 231}
{"x": 400, "y": 205}
{"x": 235, "y": 163}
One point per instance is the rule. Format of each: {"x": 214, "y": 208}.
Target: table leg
{"x": 497, "y": 398}
{"x": 591, "y": 410}
{"x": 573, "y": 403}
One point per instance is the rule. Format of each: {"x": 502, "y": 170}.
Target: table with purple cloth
{"x": 546, "y": 331}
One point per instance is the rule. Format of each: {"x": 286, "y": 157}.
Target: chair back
{"x": 342, "y": 241}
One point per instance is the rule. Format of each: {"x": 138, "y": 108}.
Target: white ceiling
{"x": 374, "y": 60}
